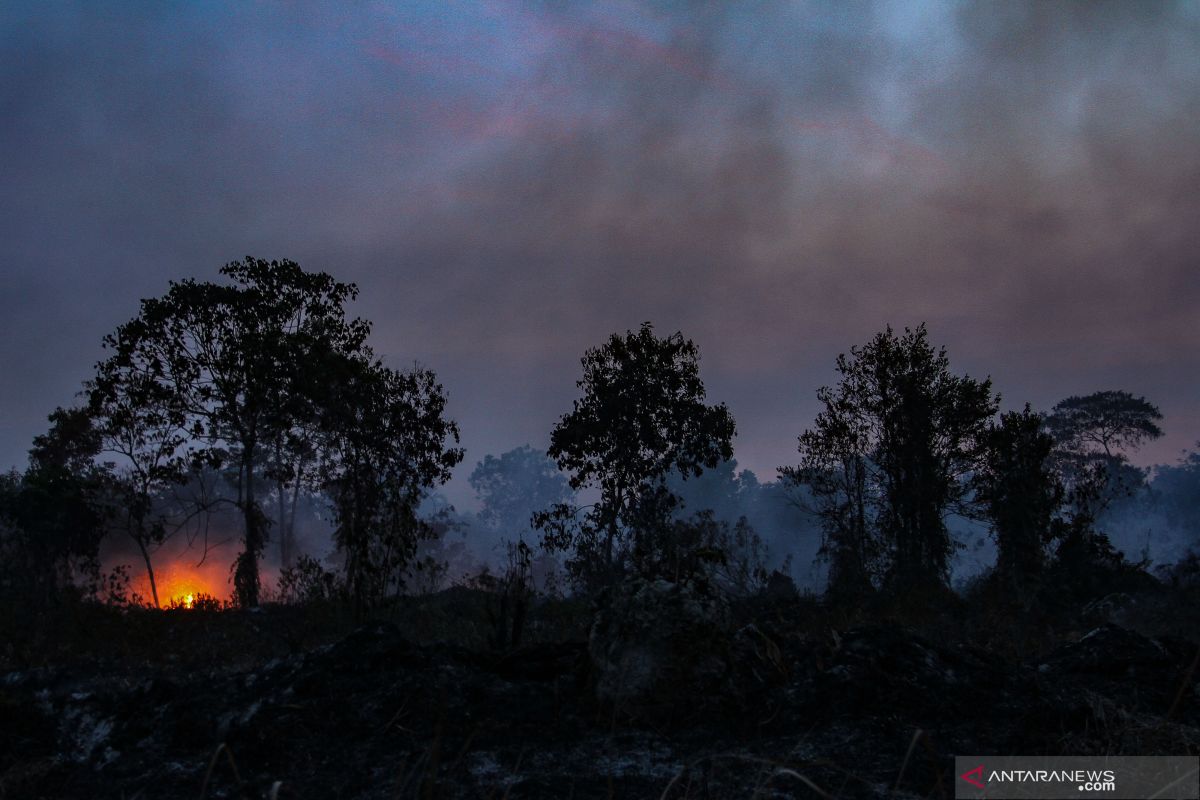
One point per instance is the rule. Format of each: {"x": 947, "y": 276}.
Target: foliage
{"x": 726, "y": 490}
{"x": 835, "y": 467}
{"x": 234, "y": 366}
{"x": 1020, "y": 491}
{"x": 138, "y": 420}
{"x": 1095, "y": 434}
{"x": 642, "y": 416}
{"x": 52, "y": 519}
{"x": 510, "y": 595}
{"x": 888, "y": 455}
{"x": 385, "y": 448}
{"x": 704, "y": 550}
{"x": 1185, "y": 572}
{"x": 306, "y": 581}
{"x": 510, "y": 486}
{"x": 201, "y": 601}
{"x": 1177, "y": 489}
{"x": 1107, "y": 421}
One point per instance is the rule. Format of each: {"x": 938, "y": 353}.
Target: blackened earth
{"x": 870, "y": 711}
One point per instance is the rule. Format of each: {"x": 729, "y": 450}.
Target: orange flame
{"x": 181, "y": 583}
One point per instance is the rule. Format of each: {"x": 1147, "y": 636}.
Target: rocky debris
{"x": 873, "y": 711}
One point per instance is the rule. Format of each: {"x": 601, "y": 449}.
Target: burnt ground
{"x": 274, "y": 703}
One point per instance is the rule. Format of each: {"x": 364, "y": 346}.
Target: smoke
{"x": 511, "y": 181}
{"x": 792, "y": 536}
{"x": 1159, "y": 521}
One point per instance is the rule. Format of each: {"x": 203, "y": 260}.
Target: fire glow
{"x": 182, "y": 583}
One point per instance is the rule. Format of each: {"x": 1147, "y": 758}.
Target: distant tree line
{"x": 258, "y": 392}
{"x": 901, "y": 443}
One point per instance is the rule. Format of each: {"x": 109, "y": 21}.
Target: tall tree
{"x": 139, "y": 420}
{"x": 387, "y": 443}
{"x": 1020, "y": 492}
{"x": 897, "y": 436}
{"x": 642, "y": 416}
{"x": 238, "y": 360}
{"x": 836, "y": 469}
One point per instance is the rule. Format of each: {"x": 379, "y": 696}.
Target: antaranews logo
{"x": 1053, "y": 778}
{"x": 1088, "y": 780}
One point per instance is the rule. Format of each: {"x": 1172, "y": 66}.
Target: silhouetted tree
{"x": 1110, "y": 422}
{"x": 889, "y": 454}
{"x": 52, "y": 517}
{"x": 1094, "y": 436}
{"x": 386, "y": 446}
{"x": 1020, "y": 492}
{"x": 927, "y": 426}
{"x": 835, "y": 467}
{"x": 139, "y": 419}
{"x": 240, "y": 361}
{"x": 642, "y": 417}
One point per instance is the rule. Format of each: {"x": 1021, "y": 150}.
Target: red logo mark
{"x": 977, "y": 780}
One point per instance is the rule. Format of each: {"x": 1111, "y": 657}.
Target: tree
{"x": 136, "y": 418}
{"x": 514, "y": 485}
{"x": 1094, "y": 435}
{"x": 888, "y": 456}
{"x": 836, "y": 469}
{"x": 1177, "y": 490}
{"x": 642, "y": 416}
{"x": 728, "y": 492}
{"x": 1020, "y": 492}
{"x": 385, "y": 442}
{"x": 1107, "y": 422}
{"x": 53, "y": 517}
{"x": 240, "y": 362}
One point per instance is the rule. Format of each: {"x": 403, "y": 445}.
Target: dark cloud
{"x": 509, "y": 182}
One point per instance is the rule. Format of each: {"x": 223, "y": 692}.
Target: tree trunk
{"x": 291, "y": 525}
{"x": 610, "y": 539}
{"x": 284, "y": 555}
{"x": 245, "y": 578}
{"x": 149, "y": 571}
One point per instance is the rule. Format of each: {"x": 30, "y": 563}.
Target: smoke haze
{"x": 509, "y": 182}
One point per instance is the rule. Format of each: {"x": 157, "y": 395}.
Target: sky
{"x": 510, "y": 182}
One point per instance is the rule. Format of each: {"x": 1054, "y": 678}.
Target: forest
{"x": 228, "y": 570}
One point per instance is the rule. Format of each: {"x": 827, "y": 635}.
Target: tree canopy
{"x": 888, "y": 456}
{"x": 257, "y": 374}
{"x": 1109, "y": 422}
{"x": 641, "y": 417}
{"x": 1095, "y": 435}
{"x": 1020, "y": 491}
{"x": 385, "y": 446}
